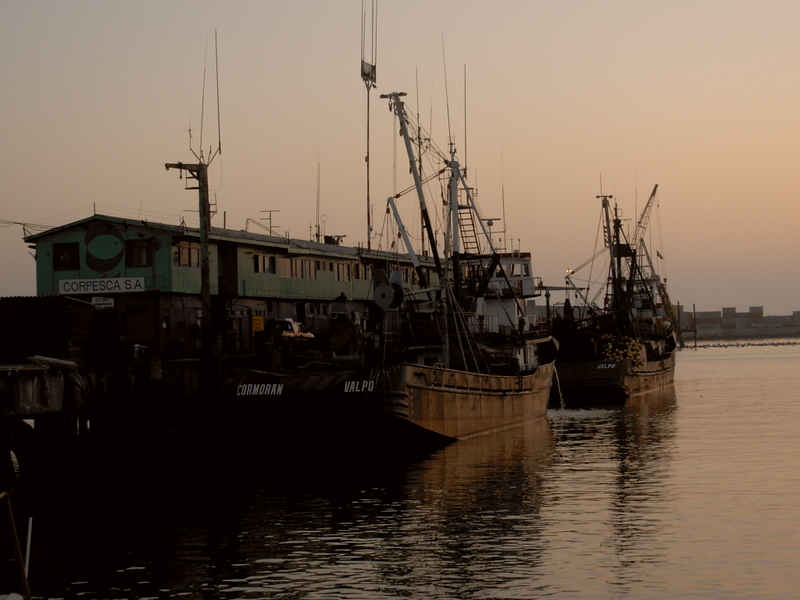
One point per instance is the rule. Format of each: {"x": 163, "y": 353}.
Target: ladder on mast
{"x": 468, "y": 230}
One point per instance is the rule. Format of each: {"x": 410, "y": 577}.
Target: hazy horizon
{"x": 697, "y": 97}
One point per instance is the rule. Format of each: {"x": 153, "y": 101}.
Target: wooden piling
{"x": 5, "y": 498}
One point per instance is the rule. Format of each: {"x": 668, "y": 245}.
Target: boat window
{"x": 342, "y": 271}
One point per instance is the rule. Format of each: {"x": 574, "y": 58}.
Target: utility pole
{"x": 199, "y": 172}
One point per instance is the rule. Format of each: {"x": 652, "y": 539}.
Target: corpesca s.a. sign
{"x": 104, "y": 285}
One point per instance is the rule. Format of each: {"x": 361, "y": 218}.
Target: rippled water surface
{"x": 693, "y": 495}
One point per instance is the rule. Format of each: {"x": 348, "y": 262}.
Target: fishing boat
{"x": 626, "y": 346}
{"x": 453, "y": 357}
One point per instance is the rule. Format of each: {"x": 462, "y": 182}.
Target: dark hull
{"x": 399, "y": 404}
{"x": 602, "y": 383}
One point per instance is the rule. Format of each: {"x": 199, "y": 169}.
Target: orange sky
{"x": 699, "y": 97}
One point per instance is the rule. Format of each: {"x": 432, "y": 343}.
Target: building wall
{"x": 279, "y": 274}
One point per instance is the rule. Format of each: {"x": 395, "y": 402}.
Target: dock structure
{"x": 120, "y": 320}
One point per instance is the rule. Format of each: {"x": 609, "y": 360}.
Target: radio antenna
{"x": 447, "y": 96}
{"x": 318, "y": 189}
{"x": 216, "y": 72}
{"x": 465, "y": 121}
{"x": 212, "y": 153}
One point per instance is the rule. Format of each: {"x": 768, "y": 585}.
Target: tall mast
{"x": 455, "y": 250}
{"x": 611, "y": 231}
{"x": 399, "y": 110}
{"x": 369, "y": 75}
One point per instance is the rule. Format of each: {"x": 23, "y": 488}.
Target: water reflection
{"x": 693, "y": 498}
{"x": 611, "y": 473}
{"x": 568, "y": 503}
{"x": 432, "y": 533}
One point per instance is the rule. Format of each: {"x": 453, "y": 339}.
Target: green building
{"x": 144, "y": 281}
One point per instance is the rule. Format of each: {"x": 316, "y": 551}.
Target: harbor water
{"x": 694, "y": 494}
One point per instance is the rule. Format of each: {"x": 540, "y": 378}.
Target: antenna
{"x": 465, "y": 121}
{"x": 269, "y": 218}
{"x": 502, "y": 192}
{"x": 318, "y": 180}
{"x": 446, "y": 95}
{"x": 419, "y": 160}
{"x": 212, "y": 154}
{"x": 216, "y": 71}
{"x": 202, "y": 107}
{"x": 369, "y": 76}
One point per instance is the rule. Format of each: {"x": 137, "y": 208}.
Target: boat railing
{"x": 525, "y": 287}
{"x": 479, "y": 323}
{"x": 482, "y": 323}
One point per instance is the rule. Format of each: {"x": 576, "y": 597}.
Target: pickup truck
{"x": 288, "y": 330}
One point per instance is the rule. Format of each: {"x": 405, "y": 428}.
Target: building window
{"x": 259, "y": 262}
{"x": 284, "y": 267}
{"x": 138, "y": 253}
{"x": 310, "y": 269}
{"x": 297, "y": 268}
{"x": 362, "y": 271}
{"x": 66, "y": 257}
{"x": 187, "y": 254}
{"x": 263, "y": 263}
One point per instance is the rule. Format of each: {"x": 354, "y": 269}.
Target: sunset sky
{"x": 699, "y": 97}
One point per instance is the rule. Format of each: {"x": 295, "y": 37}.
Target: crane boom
{"x": 641, "y": 225}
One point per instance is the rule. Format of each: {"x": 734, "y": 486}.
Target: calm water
{"x": 696, "y": 495}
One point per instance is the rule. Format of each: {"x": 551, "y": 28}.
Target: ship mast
{"x": 369, "y": 76}
{"x": 611, "y": 228}
{"x": 399, "y": 110}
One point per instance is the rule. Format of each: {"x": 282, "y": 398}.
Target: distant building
{"x": 730, "y": 323}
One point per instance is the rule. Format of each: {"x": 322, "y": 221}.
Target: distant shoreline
{"x": 742, "y": 343}
{"x": 733, "y": 335}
